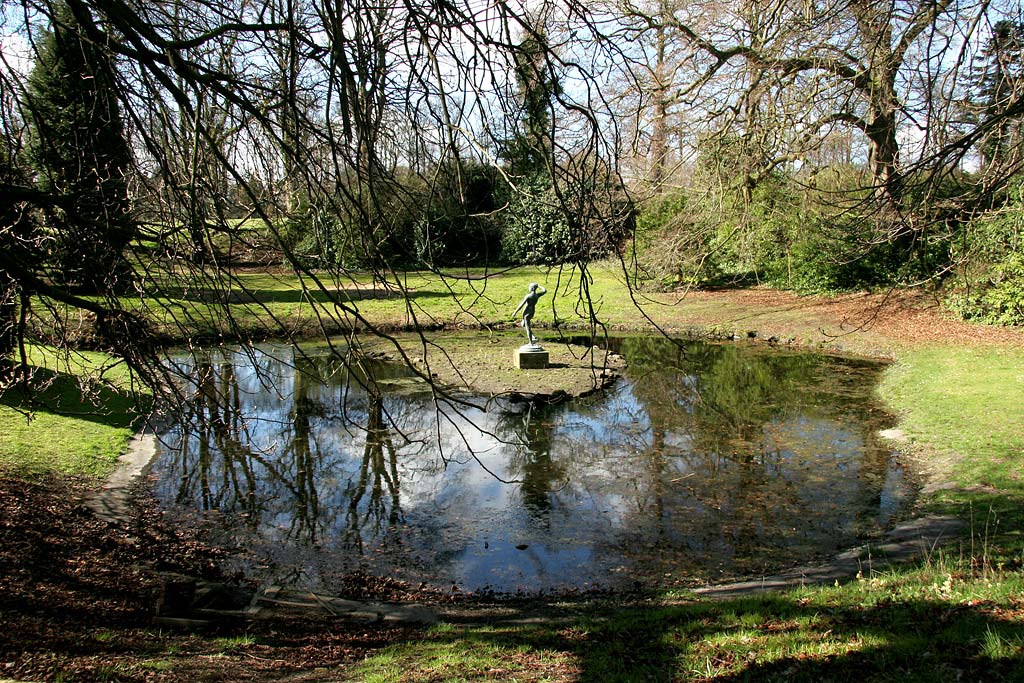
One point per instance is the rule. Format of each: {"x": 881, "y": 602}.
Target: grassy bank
{"x": 928, "y": 626}
{"x": 73, "y": 416}
{"x": 957, "y": 614}
{"x": 964, "y": 409}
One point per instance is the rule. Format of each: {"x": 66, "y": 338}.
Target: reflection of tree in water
{"x": 530, "y": 459}
{"x": 223, "y": 469}
{"x": 717, "y": 461}
{"x": 216, "y": 417}
{"x": 229, "y": 471}
{"x": 301, "y": 457}
{"x": 379, "y": 512}
{"x": 708, "y": 454}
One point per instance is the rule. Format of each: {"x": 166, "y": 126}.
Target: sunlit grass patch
{"x": 307, "y": 303}
{"x": 232, "y": 644}
{"x": 939, "y": 621}
{"x": 465, "y": 654}
{"x": 77, "y": 417}
{"x": 997, "y": 646}
{"x": 967, "y": 404}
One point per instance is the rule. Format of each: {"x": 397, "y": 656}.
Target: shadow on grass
{"x": 776, "y": 638}
{"x": 62, "y": 394}
{"x": 295, "y": 296}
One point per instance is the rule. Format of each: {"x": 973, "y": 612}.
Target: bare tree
{"x": 237, "y": 109}
{"x": 819, "y": 65}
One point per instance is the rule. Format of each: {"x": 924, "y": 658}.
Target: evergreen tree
{"x": 999, "y": 81}
{"x": 529, "y": 153}
{"x": 80, "y": 153}
{"x": 16, "y": 241}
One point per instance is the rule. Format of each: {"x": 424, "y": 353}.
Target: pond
{"x": 703, "y": 462}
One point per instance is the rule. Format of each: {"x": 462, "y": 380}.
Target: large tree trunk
{"x": 884, "y": 146}
{"x": 662, "y": 100}
{"x": 875, "y": 25}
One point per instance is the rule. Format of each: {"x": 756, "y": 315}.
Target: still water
{"x": 703, "y": 462}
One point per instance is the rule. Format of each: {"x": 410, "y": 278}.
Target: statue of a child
{"x": 529, "y": 306}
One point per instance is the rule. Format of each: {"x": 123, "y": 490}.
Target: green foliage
{"x": 786, "y": 231}
{"x": 800, "y": 240}
{"x": 833, "y": 258}
{"x": 998, "y": 72}
{"x": 774, "y": 219}
{"x": 450, "y": 222}
{"x": 17, "y": 232}
{"x": 536, "y": 229}
{"x": 365, "y": 227}
{"x": 575, "y": 223}
{"x": 991, "y": 286}
{"x": 80, "y": 152}
{"x": 313, "y": 236}
{"x": 529, "y": 151}
{"x": 999, "y": 300}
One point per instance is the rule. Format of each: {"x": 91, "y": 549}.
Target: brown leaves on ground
{"x": 77, "y": 597}
{"x": 913, "y": 316}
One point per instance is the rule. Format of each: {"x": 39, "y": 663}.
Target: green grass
{"x": 475, "y": 298}
{"x": 934, "y": 623}
{"x": 77, "y": 418}
{"x": 964, "y": 403}
{"x": 963, "y": 408}
{"x": 230, "y": 644}
{"x": 463, "y": 654}
{"x": 921, "y": 625}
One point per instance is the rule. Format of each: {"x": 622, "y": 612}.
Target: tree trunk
{"x": 8, "y": 327}
{"x": 659, "y": 131}
{"x": 874, "y": 21}
{"x": 884, "y": 147}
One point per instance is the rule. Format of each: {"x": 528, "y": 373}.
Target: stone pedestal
{"x": 530, "y": 357}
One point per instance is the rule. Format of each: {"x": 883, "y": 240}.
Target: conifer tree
{"x": 999, "y": 81}
{"x": 80, "y": 154}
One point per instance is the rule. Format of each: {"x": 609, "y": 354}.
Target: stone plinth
{"x": 530, "y": 357}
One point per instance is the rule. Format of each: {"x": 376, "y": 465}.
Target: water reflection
{"x": 705, "y": 461}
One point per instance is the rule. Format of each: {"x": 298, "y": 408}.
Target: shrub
{"x": 991, "y": 284}
{"x": 544, "y": 226}
{"x": 673, "y": 245}
{"x": 1000, "y": 300}
{"x": 459, "y": 226}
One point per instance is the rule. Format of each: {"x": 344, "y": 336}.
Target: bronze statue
{"x": 529, "y": 306}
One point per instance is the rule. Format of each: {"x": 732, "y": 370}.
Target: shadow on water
{"x": 707, "y": 461}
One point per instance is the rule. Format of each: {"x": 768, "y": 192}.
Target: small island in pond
{"x": 484, "y": 365}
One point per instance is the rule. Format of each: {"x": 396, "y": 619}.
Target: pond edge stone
{"x": 112, "y": 501}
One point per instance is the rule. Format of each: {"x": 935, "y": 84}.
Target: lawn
{"x": 74, "y": 416}
{"x": 928, "y": 625}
